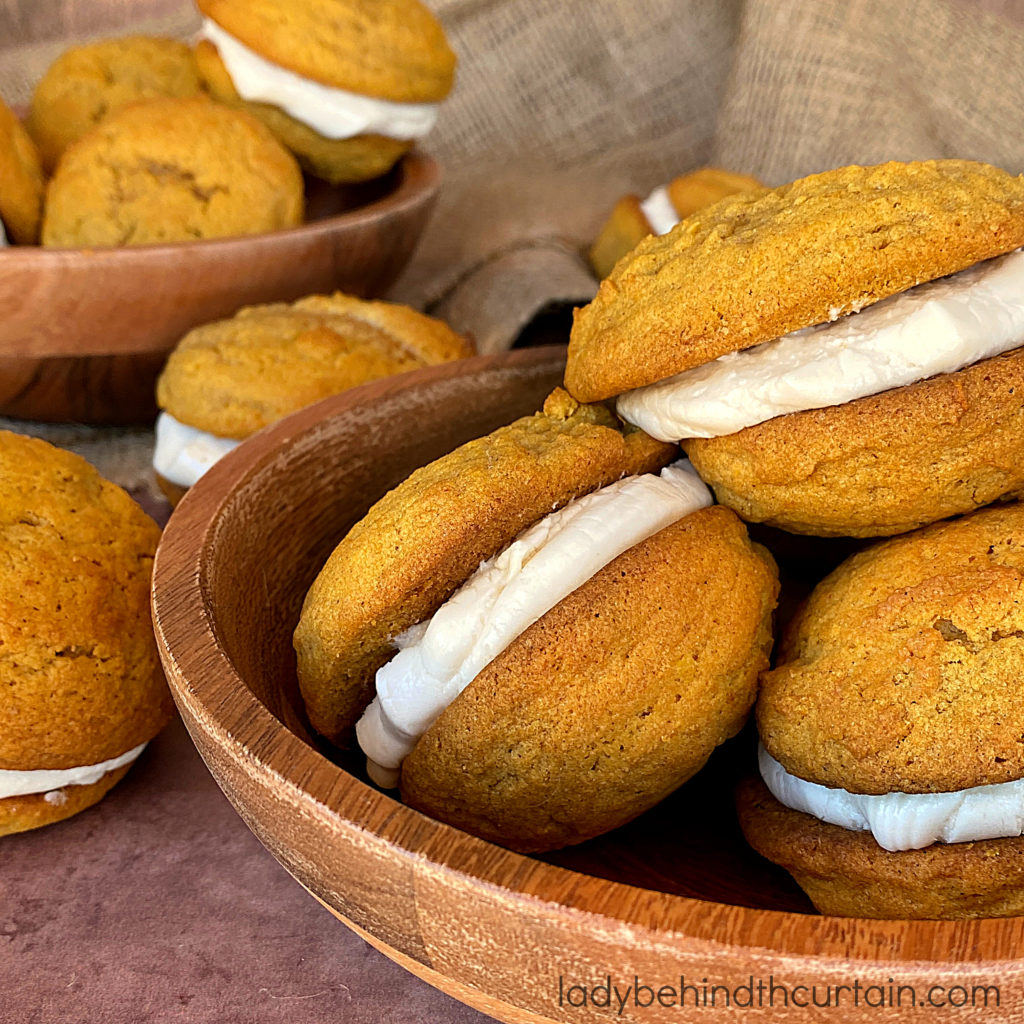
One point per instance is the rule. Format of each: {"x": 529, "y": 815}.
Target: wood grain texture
{"x": 673, "y": 894}
{"x": 85, "y": 332}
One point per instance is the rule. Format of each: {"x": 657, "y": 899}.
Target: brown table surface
{"x": 159, "y": 904}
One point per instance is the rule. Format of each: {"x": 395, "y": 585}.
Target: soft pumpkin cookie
{"x": 754, "y": 267}
{"x": 847, "y": 874}
{"x": 891, "y": 728}
{"x": 21, "y": 181}
{"x": 780, "y": 335}
{"x": 83, "y": 685}
{"x": 226, "y": 380}
{"x": 347, "y": 85}
{"x": 171, "y": 170}
{"x": 86, "y": 84}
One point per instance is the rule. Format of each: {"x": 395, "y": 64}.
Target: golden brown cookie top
{"x": 393, "y": 49}
{"x": 903, "y": 671}
{"x": 171, "y": 170}
{"x": 422, "y": 540}
{"x": 233, "y": 377}
{"x": 87, "y": 83}
{"x": 82, "y": 679}
{"x": 752, "y": 267}
{"x": 612, "y": 699}
{"x": 21, "y": 180}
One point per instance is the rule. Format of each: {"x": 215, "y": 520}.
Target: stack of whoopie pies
{"x": 733, "y": 334}
{"x": 144, "y": 140}
{"x": 542, "y": 634}
{"x": 843, "y": 356}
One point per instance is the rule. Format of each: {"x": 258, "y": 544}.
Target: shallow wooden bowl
{"x": 676, "y": 893}
{"x": 85, "y": 332}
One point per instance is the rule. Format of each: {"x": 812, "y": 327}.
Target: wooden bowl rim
{"x": 243, "y": 727}
{"x": 419, "y": 177}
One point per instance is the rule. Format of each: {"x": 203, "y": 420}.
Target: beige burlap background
{"x": 563, "y": 105}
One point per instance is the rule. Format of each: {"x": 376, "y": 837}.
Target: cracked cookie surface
{"x": 87, "y": 83}
{"x": 752, "y": 268}
{"x": 171, "y": 170}
{"x": 423, "y": 539}
{"x": 234, "y": 376}
{"x": 902, "y": 673}
{"x": 81, "y": 678}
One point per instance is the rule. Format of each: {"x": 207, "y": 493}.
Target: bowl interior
{"x": 316, "y": 478}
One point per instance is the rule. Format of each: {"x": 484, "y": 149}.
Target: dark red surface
{"x": 159, "y": 905}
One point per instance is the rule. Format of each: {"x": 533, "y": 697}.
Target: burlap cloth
{"x": 562, "y": 106}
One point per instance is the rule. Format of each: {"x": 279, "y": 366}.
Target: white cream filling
{"x": 3, "y": 236}
{"x": 660, "y": 213}
{"x": 937, "y": 327}
{"x": 183, "y": 453}
{"x": 334, "y": 113}
{"x": 440, "y": 656}
{"x": 904, "y": 821}
{"x": 49, "y": 780}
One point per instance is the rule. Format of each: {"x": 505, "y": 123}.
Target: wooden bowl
{"x": 85, "y": 332}
{"x": 676, "y": 893}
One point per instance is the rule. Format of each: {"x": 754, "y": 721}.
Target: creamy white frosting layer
{"x": 334, "y": 113}
{"x": 659, "y": 211}
{"x": 937, "y": 327}
{"x": 46, "y": 780}
{"x": 183, "y": 453}
{"x": 904, "y": 821}
{"x": 440, "y": 656}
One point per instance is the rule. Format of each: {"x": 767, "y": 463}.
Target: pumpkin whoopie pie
{"x": 576, "y": 630}
{"x": 633, "y": 219}
{"x": 228, "y": 379}
{"x": 83, "y": 689}
{"x": 347, "y": 85}
{"x": 86, "y": 84}
{"x": 801, "y": 345}
{"x": 892, "y": 725}
{"x": 21, "y": 182}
